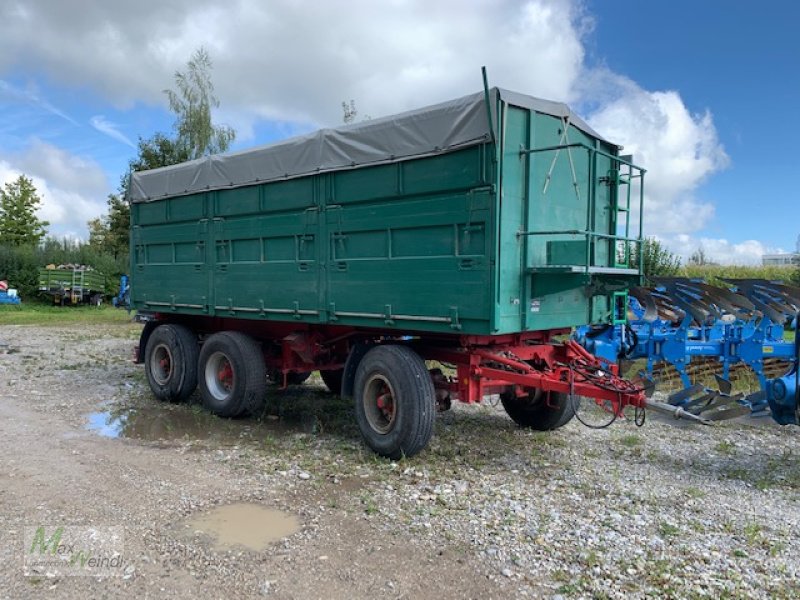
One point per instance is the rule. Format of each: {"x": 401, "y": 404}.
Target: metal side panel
{"x": 411, "y": 249}
{"x": 169, "y": 252}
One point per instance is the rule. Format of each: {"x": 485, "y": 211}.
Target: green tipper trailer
{"x": 72, "y": 285}
{"x": 470, "y": 232}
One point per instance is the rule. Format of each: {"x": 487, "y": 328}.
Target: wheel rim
{"x": 380, "y": 407}
{"x": 219, "y": 376}
{"x": 535, "y": 398}
{"x": 161, "y": 364}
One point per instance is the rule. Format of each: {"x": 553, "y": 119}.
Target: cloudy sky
{"x": 704, "y": 94}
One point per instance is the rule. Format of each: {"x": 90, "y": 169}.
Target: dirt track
{"x": 488, "y": 511}
{"x": 56, "y": 472}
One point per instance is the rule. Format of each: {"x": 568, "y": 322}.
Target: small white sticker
{"x": 535, "y": 305}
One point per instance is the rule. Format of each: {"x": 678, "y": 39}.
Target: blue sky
{"x": 741, "y": 61}
{"x": 704, "y": 93}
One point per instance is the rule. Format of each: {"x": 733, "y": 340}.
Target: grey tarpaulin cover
{"x": 426, "y": 131}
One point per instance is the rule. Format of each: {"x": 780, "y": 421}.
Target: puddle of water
{"x": 159, "y": 422}
{"x": 250, "y": 525}
{"x": 299, "y": 411}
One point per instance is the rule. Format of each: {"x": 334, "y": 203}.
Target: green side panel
{"x": 421, "y": 263}
{"x": 404, "y": 246}
{"x": 266, "y": 263}
{"x": 509, "y": 297}
{"x": 71, "y": 279}
{"x": 169, "y": 259}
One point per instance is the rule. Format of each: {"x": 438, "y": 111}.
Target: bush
{"x": 19, "y": 265}
{"x": 20, "y": 268}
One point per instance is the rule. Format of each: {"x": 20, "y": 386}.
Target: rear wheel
{"x": 233, "y": 378}
{"x": 538, "y": 410}
{"x": 394, "y": 401}
{"x": 171, "y": 362}
{"x": 333, "y": 380}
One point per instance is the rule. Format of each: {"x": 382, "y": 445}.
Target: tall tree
{"x": 192, "y": 103}
{"x": 349, "y": 112}
{"x": 19, "y": 225}
{"x": 195, "y": 135}
{"x": 109, "y": 233}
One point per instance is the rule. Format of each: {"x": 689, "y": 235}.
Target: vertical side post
{"x": 488, "y": 105}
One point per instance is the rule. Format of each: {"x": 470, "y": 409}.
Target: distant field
{"x": 42, "y": 314}
{"x": 714, "y": 273}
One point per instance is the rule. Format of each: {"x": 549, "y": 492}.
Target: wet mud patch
{"x": 252, "y": 526}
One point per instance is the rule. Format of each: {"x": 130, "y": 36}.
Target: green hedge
{"x": 20, "y": 265}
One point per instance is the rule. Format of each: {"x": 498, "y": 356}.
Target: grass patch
{"x": 667, "y": 530}
{"x": 630, "y": 440}
{"x": 694, "y": 492}
{"x": 44, "y": 314}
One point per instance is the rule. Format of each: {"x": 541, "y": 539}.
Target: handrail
{"x": 607, "y": 236}
{"x": 619, "y": 242}
{"x": 618, "y": 159}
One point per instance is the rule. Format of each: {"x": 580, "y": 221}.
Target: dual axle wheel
{"x": 394, "y": 396}
{"x": 229, "y": 369}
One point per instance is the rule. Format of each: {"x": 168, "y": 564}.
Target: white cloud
{"x": 290, "y": 60}
{"x": 679, "y": 150}
{"x": 73, "y": 189}
{"x": 294, "y": 62}
{"x": 719, "y": 250}
{"x": 110, "y": 129}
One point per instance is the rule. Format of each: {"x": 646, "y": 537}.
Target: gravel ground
{"x": 487, "y": 511}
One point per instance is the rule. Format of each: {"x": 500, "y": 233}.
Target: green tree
{"x": 657, "y": 260}
{"x": 195, "y": 135}
{"x": 109, "y": 233}
{"x": 192, "y": 104}
{"x": 19, "y": 225}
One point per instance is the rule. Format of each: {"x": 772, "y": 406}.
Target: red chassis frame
{"x": 484, "y": 364}
{"x": 491, "y": 364}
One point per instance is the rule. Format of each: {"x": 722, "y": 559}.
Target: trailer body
{"x": 442, "y": 240}
{"x": 495, "y": 221}
{"x": 72, "y": 285}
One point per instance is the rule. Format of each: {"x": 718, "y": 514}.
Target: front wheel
{"x": 394, "y": 401}
{"x": 233, "y": 378}
{"x": 538, "y": 410}
{"x": 170, "y": 362}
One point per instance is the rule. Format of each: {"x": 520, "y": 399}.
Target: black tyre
{"x": 233, "y": 378}
{"x": 538, "y": 410}
{"x": 394, "y": 401}
{"x": 170, "y": 362}
{"x": 333, "y": 380}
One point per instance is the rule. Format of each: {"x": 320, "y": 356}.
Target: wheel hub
{"x": 379, "y": 404}
{"x": 161, "y": 364}
{"x": 219, "y": 376}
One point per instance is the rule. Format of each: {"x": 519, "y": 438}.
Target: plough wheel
{"x": 539, "y": 410}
